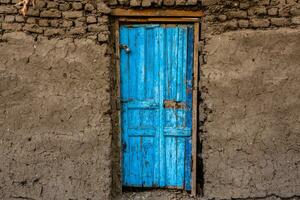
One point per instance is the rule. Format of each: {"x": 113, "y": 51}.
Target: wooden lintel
{"x": 157, "y": 19}
{"x": 119, "y": 12}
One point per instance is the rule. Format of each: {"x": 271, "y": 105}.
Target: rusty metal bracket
{"x": 174, "y": 104}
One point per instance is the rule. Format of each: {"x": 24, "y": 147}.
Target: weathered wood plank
{"x": 117, "y": 62}
{"x": 157, "y": 19}
{"x": 195, "y": 113}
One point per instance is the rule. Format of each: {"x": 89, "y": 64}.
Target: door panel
{"x": 177, "y": 108}
{"x": 140, "y": 108}
{"x": 156, "y": 96}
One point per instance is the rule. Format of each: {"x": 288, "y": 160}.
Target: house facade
{"x": 61, "y": 109}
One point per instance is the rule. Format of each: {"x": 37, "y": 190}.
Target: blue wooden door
{"x": 156, "y": 96}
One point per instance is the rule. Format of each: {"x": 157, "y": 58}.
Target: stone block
{"x": 72, "y": 14}
{"x": 43, "y": 22}
{"x": 31, "y": 20}
{"x": 8, "y": 9}
{"x": 103, "y": 19}
{"x": 237, "y": 14}
{"x": 12, "y": 26}
{"x": 67, "y": 23}
{"x": 284, "y": 12}
{"x": 244, "y": 5}
{"x": 169, "y": 2}
{"x": 97, "y": 28}
{"x": 79, "y": 23}
{"x": 134, "y": 3}
{"x": 53, "y": 13}
{"x": 296, "y": 20}
{"x": 64, "y": 7}
{"x": 231, "y": 25}
{"x": 209, "y": 2}
{"x": 5, "y": 1}
{"x": 91, "y": 19}
{"x": 264, "y": 2}
{"x": 54, "y": 23}
{"x": 180, "y": 2}
{"x": 295, "y": 11}
{"x": 9, "y": 18}
{"x": 53, "y": 31}
{"x": 20, "y": 18}
{"x": 33, "y": 28}
{"x": 103, "y": 37}
{"x": 89, "y": 7}
{"x": 52, "y": 4}
{"x": 146, "y": 3}
{"x": 191, "y": 2}
{"x": 291, "y": 2}
{"x": 34, "y": 12}
{"x": 243, "y": 23}
{"x": 259, "y": 23}
{"x": 40, "y": 4}
{"x": 222, "y": 18}
{"x": 77, "y": 5}
{"x": 77, "y": 31}
{"x": 103, "y": 8}
{"x": 273, "y": 11}
{"x": 279, "y": 21}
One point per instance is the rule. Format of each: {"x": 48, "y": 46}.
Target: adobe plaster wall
{"x": 251, "y": 143}
{"x": 55, "y": 123}
{"x": 55, "y": 98}
{"x": 55, "y": 126}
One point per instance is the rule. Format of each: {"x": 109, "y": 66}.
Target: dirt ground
{"x": 156, "y": 194}
{"x": 169, "y": 194}
{"x": 163, "y": 194}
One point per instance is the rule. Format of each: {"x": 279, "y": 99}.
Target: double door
{"x": 156, "y": 70}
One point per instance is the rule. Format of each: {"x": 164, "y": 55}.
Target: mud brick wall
{"x": 55, "y": 98}
{"x": 58, "y": 18}
{"x": 55, "y": 124}
{"x": 251, "y": 137}
{"x": 250, "y": 92}
{"x": 249, "y": 96}
{"x": 226, "y": 15}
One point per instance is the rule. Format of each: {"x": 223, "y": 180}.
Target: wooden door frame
{"x": 127, "y": 16}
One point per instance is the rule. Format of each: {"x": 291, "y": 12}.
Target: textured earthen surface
{"x": 55, "y": 130}
{"x": 251, "y": 143}
{"x": 56, "y": 93}
{"x": 225, "y": 15}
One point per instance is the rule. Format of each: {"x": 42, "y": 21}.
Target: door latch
{"x": 125, "y": 47}
{"x": 174, "y": 104}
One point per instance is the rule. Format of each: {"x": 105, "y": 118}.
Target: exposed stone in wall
{"x": 251, "y": 140}
{"x": 229, "y": 172}
{"x": 55, "y": 124}
{"x": 55, "y": 130}
{"x": 55, "y": 127}
{"x": 58, "y": 18}
{"x": 224, "y": 15}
